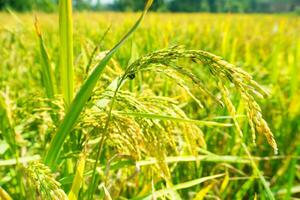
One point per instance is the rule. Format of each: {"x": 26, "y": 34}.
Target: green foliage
{"x": 77, "y": 105}
{"x": 297, "y": 10}
{"x": 27, "y": 5}
{"x": 47, "y": 69}
{"x": 185, "y": 6}
{"x": 66, "y": 67}
{"x": 235, "y": 6}
{"x": 18, "y": 4}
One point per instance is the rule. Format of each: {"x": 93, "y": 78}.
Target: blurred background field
{"x": 265, "y": 45}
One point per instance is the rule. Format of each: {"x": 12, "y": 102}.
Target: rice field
{"x": 188, "y": 106}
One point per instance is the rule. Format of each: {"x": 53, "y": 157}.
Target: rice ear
{"x": 40, "y": 177}
{"x": 224, "y": 73}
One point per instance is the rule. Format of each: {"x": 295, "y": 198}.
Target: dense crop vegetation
{"x": 235, "y": 6}
{"x": 155, "y": 117}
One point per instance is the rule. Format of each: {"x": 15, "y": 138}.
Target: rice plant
{"x": 154, "y": 117}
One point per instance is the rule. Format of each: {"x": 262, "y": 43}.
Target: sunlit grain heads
{"x": 224, "y": 73}
{"x": 77, "y": 104}
{"x": 40, "y": 178}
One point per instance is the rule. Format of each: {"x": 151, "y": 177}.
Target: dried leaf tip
{"x": 37, "y": 26}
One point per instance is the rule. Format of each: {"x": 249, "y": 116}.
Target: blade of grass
{"x": 202, "y": 193}
{"x": 295, "y": 189}
{"x": 92, "y": 56}
{"x": 258, "y": 173}
{"x": 66, "y": 57}
{"x": 164, "y": 117}
{"x": 206, "y": 158}
{"x": 21, "y": 160}
{"x": 6, "y": 126}
{"x": 9, "y": 134}
{"x": 294, "y": 69}
{"x": 4, "y": 195}
{"x": 292, "y": 174}
{"x": 66, "y": 50}
{"x": 106, "y": 192}
{"x": 245, "y": 188}
{"x": 15, "y": 17}
{"x": 47, "y": 71}
{"x": 134, "y": 56}
{"x": 83, "y": 95}
{"x": 78, "y": 179}
{"x": 161, "y": 193}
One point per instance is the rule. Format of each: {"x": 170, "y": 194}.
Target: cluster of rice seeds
{"x": 229, "y": 105}
{"x": 193, "y": 136}
{"x": 39, "y": 176}
{"x": 256, "y": 120}
{"x": 141, "y": 137}
{"x": 224, "y": 73}
{"x": 126, "y": 135}
{"x": 246, "y": 85}
{"x": 156, "y": 105}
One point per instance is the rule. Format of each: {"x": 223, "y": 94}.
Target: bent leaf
{"x": 82, "y": 97}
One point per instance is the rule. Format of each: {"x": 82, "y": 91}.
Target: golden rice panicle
{"x": 246, "y": 85}
{"x": 229, "y": 105}
{"x": 224, "y": 72}
{"x": 40, "y": 177}
{"x": 257, "y": 122}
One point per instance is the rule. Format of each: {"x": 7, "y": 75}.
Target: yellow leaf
{"x": 202, "y": 193}
{"x": 4, "y": 195}
{"x": 78, "y": 179}
{"x": 225, "y": 182}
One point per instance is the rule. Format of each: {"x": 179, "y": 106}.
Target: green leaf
{"x": 23, "y": 160}
{"x": 4, "y": 195}
{"x": 47, "y": 71}
{"x": 184, "y": 120}
{"x": 82, "y": 97}
{"x": 163, "y": 192}
{"x": 78, "y": 179}
{"x": 257, "y": 172}
{"x": 6, "y": 126}
{"x": 66, "y": 50}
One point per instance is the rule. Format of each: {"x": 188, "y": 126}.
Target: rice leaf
{"x": 225, "y": 182}
{"x": 4, "y": 195}
{"x": 164, "y": 117}
{"x": 66, "y": 50}
{"x": 163, "y": 192}
{"x": 47, "y": 71}
{"x": 82, "y": 97}
{"x": 78, "y": 179}
{"x": 202, "y": 193}
{"x": 22, "y": 160}
{"x": 6, "y": 127}
{"x": 257, "y": 172}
